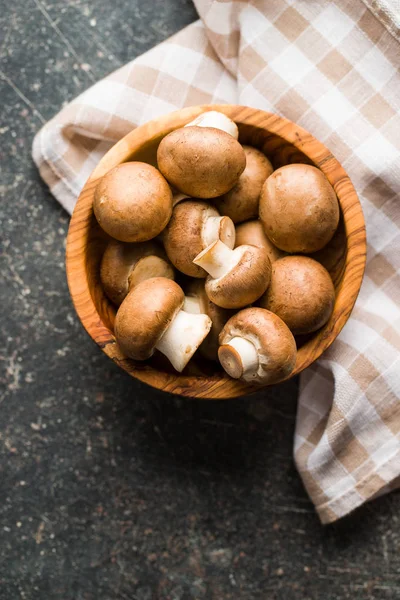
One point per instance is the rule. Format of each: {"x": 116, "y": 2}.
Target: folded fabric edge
{"x": 367, "y": 489}
{"x": 57, "y": 185}
{"x": 385, "y": 13}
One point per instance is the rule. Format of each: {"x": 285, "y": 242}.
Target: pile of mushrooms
{"x": 208, "y": 252}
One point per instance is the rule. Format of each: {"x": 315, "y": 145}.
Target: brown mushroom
{"x": 194, "y": 225}
{"x": 213, "y": 118}
{"x": 257, "y": 347}
{"x": 252, "y": 233}
{"x": 236, "y": 277}
{"x": 133, "y": 202}
{"x": 151, "y": 317}
{"x": 202, "y": 162}
{"x": 299, "y": 209}
{"x": 301, "y": 293}
{"x": 125, "y": 265}
{"x": 197, "y": 302}
{"x": 241, "y": 202}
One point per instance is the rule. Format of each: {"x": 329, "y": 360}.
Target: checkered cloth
{"x": 330, "y": 67}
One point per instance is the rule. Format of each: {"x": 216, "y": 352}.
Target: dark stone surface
{"x": 108, "y": 489}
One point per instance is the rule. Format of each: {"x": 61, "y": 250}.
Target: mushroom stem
{"x": 239, "y": 358}
{"x": 191, "y": 305}
{"x": 182, "y": 338}
{"x": 217, "y": 120}
{"x": 221, "y": 228}
{"x": 217, "y": 259}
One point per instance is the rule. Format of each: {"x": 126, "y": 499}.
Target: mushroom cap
{"x": 299, "y": 209}
{"x": 145, "y": 314}
{"x": 124, "y": 265}
{"x": 219, "y": 316}
{"x": 245, "y": 282}
{"x": 133, "y": 202}
{"x": 275, "y": 344}
{"x": 202, "y": 162}
{"x": 241, "y": 202}
{"x": 252, "y": 233}
{"x": 183, "y": 239}
{"x": 301, "y": 293}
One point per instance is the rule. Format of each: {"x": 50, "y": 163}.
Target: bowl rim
{"x": 216, "y": 387}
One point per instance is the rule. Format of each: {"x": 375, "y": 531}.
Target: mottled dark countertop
{"x": 110, "y": 490}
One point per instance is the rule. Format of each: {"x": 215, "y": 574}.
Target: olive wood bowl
{"x": 283, "y": 142}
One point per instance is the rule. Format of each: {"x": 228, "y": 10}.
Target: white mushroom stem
{"x": 217, "y": 259}
{"x": 217, "y": 120}
{"x": 191, "y": 305}
{"x": 239, "y": 358}
{"x": 183, "y": 337}
{"x": 219, "y": 228}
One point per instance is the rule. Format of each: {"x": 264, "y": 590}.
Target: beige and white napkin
{"x": 332, "y": 67}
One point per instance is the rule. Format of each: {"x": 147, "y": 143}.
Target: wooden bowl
{"x": 283, "y": 142}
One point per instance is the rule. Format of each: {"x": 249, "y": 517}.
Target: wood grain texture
{"x": 283, "y": 142}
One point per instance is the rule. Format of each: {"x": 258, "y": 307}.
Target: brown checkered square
{"x": 378, "y": 192}
{"x": 334, "y": 66}
{"x": 363, "y": 371}
{"x": 348, "y": 450}
{"x": 367, "y": 486}
{"x": 371, "y": 27}
{"x": 199, "y": 96}
{"x": 270, "y": 85}
{"x": 380, "y": 269}
{"x": 377, "y": 110}
{"x": 291, "y": 23}
{"x": 142, "y": 78}
{"x": 252, "y": 60}
{"x": 170, "y": 89}
{"x": 292, "y": 105}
